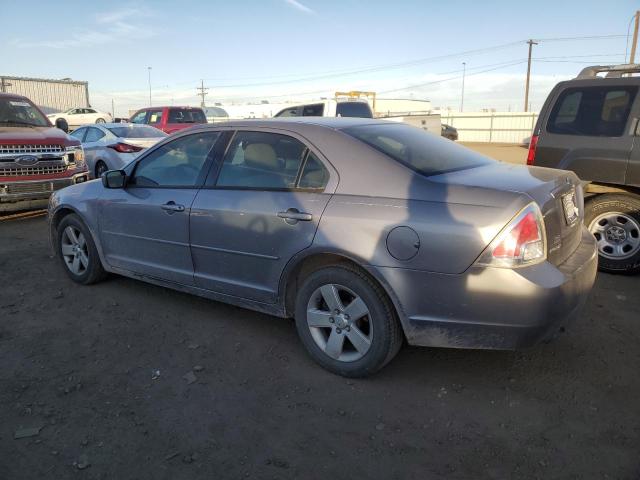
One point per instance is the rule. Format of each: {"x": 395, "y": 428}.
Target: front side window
{"x": 315, "y": 110}
{"x": 262, "y": 160}
{"x": 139, "y": 117}
{"x": 178, "y": 163}
{"x": 592, "y": 111}
{"x": 20, "y": 112}
{"x": 93, "y": 135}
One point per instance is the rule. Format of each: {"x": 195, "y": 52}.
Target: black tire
{"x": 94, "y": 271}
{"x": 386, "y": 334}
{"x": 100, "y": 165}
{"x": 100, "y": 120}
{"x": 627, "y": 205}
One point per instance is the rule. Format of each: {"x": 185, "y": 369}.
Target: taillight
{"x": 125, "y": 148}
{"x": 522, "y": 242}
{"x": 531, "y": 156}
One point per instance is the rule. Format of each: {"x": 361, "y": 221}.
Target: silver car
{"x": 366, "y": 232}
{"x": 110, "y": 146}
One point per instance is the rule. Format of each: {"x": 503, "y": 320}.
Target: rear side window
{"x": 315, "y": 110}
{"x": 419, "y": 150}
{"x": 354, "y": 109}
{"x": 93, "y": 135}
{"x": 592, "y": 111}
{"x": 288, "y": 112}
{"x": 183, "y": 115}
{"x": 155, "y": 117}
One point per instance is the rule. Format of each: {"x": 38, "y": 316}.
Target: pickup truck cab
{"x": 590, "y": 125}
{"x": 170, "y": 119}
{"x": 36, "y": 158}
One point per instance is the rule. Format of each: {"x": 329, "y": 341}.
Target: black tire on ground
{"x": 100, "y": 120}
{"x": 100, "y": 168}
{"x": 629, "y": 206}
{"x": 386, "y": 337}
{"x": 94, "y": 271}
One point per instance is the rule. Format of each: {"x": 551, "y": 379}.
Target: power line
{"x": 202, "y": 92}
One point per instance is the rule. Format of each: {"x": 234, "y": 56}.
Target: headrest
{"x": 261, "y": 155}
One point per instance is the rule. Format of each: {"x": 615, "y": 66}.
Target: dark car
{"x": 170, "y": 119}
{"x": 449, "y": 132}
{"x": 366, "y": 232}
{"x": 590, "y": 125}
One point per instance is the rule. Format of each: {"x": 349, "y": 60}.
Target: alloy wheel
{"x": 74, "y": 250}
{"x": 339, "y": 322}
{"x": 617, "y": 235}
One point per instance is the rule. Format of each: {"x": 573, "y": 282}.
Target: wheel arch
{"x": 57, "y": 216}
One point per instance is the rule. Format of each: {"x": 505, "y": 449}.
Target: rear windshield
{"x": 186, "y": 115}
{"x": 139, "y": 131}
{"x": 592, "y": 111}
{"x": 419, "y": 150}
{"x": 354, "y": 109}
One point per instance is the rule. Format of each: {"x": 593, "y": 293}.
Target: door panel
{"x": 240, "y": 245}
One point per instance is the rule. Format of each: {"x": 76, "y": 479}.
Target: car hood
{"x": 35, "y": 135}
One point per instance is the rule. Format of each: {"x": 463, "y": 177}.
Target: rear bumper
{"x": 493, "y": 308}
{"x": 34, "y": 193}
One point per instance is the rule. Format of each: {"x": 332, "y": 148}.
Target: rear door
{"x": 260, "y": 207}
{"x": 589, "y": 129}
{"x": 145, "y": 226}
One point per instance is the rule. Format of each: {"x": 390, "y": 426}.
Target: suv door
{"x": 145, "y": 226}
{"x": 260, "y": 206}
{"x": 587, "y": 128}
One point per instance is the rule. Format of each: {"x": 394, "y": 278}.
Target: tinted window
{"x": 139, "y": 131}
{"x": 79, "y": 133}
{"x": 353, "y": 109}
{"x": 592, "y": 111}
{"x": 419, "y": 150}
{"x": 314, "y": 175}
{"x": 19, "y": 111}
{"x": 155, "y": 117}
{"x": 288, "y": 112}
{"x": 261, "y": 160}
{"x": 313, "y": 110}
{"x": 176, "y": 164}
{"x": 186, "y": 115}
{"x": 139, "y": 117}
{"x": 93, "y": 135}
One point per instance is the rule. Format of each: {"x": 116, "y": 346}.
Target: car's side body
{"x": 418, "y": 237}
{"x": 170, "y": 119}
{"x": 82, "y": 116}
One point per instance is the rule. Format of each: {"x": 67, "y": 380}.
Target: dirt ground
{"x": 96, "y": 376}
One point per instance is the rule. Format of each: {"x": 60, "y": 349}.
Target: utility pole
{"x": 203, "y": 92}
{"x": 149, "y": 70}
{"x": 526, "y": 88}
{"x": 464, "y": 71}
{"x": 635, "y": 38}
{"x": 113, "y": 109}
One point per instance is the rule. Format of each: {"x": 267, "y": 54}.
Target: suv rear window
{"x": 354, "y": 109}
{"x": 592, "y": 111}
{"x": 419, "y": 150}
{"x": 184, "y": 115}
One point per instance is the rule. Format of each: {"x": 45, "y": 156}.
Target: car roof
{"x": 334, "y": 123}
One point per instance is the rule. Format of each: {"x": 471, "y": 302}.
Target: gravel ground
{"x": 124, "y": 380}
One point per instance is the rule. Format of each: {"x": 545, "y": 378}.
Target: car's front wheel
{"x": 78, "y": 252}
{"x": 346, "y": 322}
{"x": 614, "y": 219}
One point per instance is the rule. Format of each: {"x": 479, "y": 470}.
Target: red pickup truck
{"x": 36, "y": 158}
{"x": 169, "y": 119}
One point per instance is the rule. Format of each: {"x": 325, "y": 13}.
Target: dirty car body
{"x": 468, "y": 252}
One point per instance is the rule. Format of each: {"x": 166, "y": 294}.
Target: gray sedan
{"x": 366, "y": 232}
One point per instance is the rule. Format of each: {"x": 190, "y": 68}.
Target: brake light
{"x": 125, "y": 148}
{"x": 522, "y": 242}
{"x": 533, "y": 144}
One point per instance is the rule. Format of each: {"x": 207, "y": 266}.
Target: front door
{"x": 262, "y": 209}
{"x": 145, "y": 226}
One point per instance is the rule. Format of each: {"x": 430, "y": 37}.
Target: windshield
{"x": 21, "y": 112}
{"x": 137, "y": 131}
{"x": 417, "y": 149}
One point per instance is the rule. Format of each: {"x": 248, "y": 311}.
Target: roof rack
{"x": 614, "y": 71}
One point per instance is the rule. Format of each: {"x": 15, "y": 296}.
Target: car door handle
{"x": 293, "y": 215}
{"x": 172, "y": 207}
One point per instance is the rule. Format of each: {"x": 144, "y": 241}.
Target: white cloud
{"x": 117, "y": 25}
{"x": 299, "y": 6}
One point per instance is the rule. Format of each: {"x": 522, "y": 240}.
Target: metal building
{"x": 50, "y": 95}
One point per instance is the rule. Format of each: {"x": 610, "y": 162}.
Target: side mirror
{"x": 62, "y": 124}
{"x": 114, "y": 179}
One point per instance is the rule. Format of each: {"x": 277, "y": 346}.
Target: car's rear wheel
{"x": 100, "y": 120}
{"x": 78, "y": 252}
{"x": 101, "y": 167}
{"x": 614, "y": 219}
{"x": 346, "y": 322}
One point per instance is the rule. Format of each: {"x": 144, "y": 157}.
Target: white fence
{"x": 498, "y": 127}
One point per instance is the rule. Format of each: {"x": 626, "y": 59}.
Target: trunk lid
{"x": 142, "y": 142}
{"x": 558, "y": 193}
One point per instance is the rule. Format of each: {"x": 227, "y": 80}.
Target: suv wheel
{"x": 77, "y": 252}
{"x": 614, "y": 219}
{"x": 346, "y": 322}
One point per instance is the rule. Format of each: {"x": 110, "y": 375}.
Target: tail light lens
{"x": 522, "y": 242}
{"x": 125, "y": 148}
{"x": 533, "y": 144}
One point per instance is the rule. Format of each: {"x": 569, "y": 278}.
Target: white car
{"x": 110, "y": 146}
{"x": 81, "y": 116}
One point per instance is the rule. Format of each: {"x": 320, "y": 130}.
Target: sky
{"x": 297, "y": 50}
